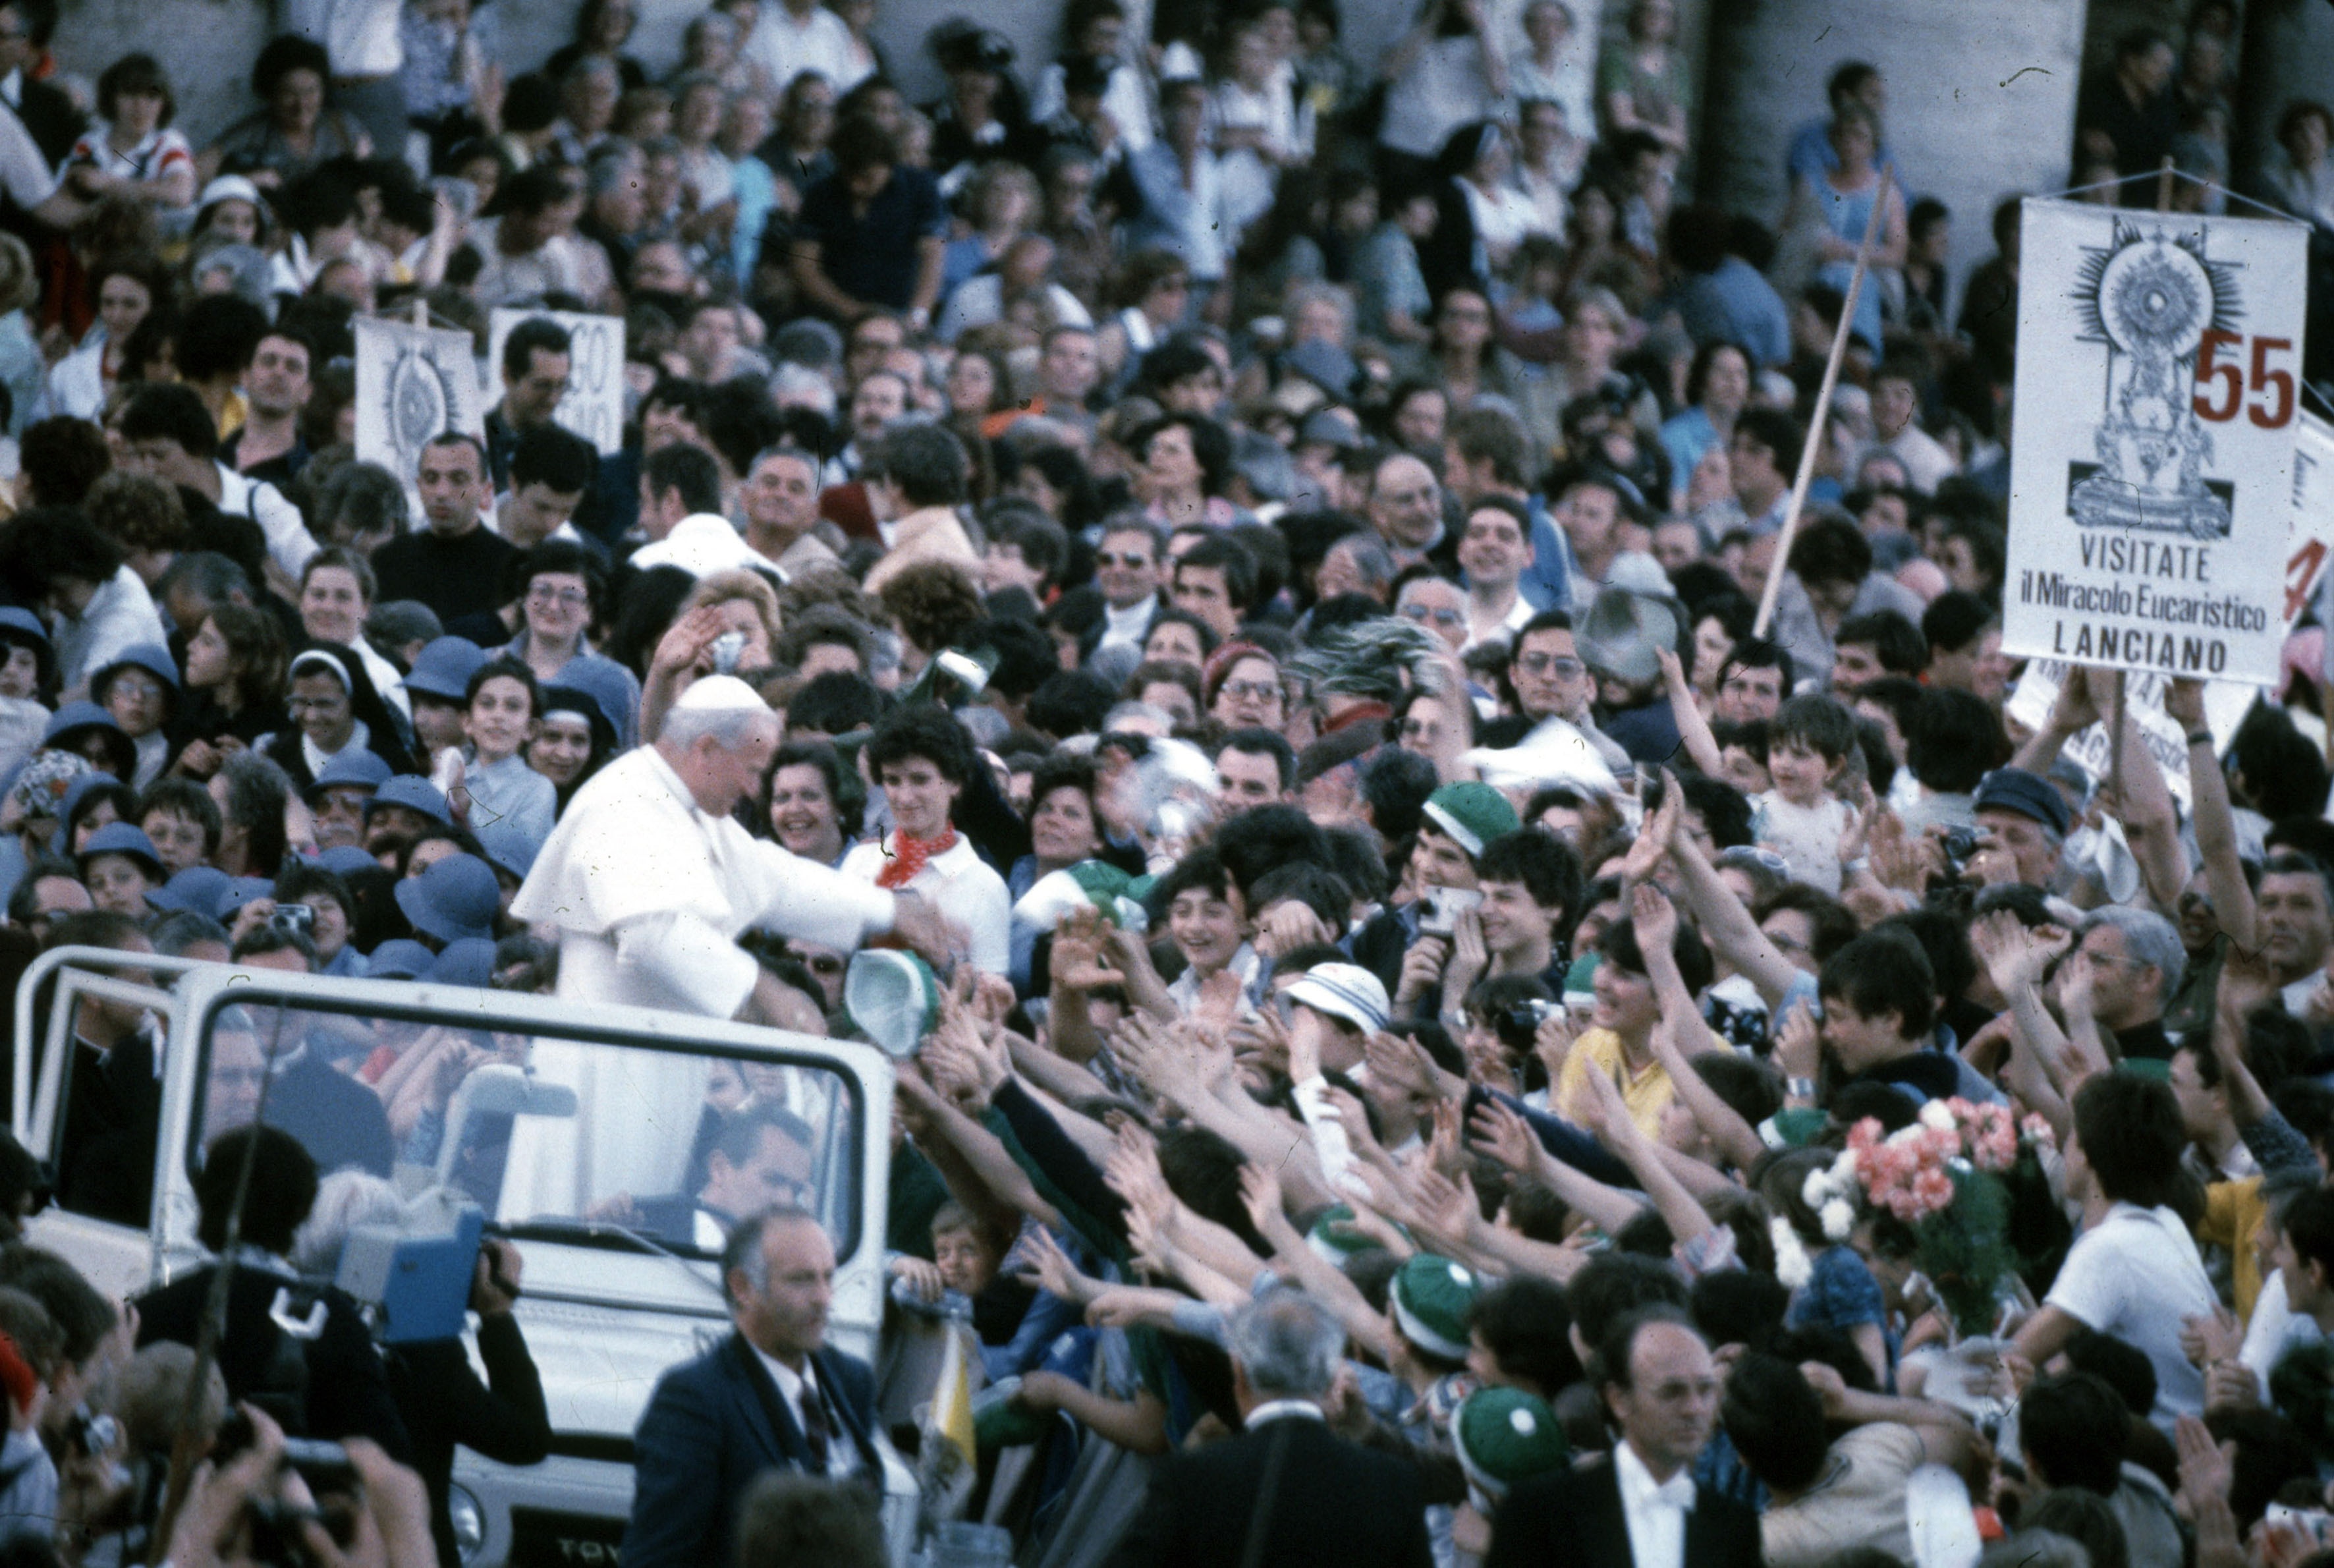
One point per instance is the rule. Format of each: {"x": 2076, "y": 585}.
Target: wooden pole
{"x": 1806, "y": 473}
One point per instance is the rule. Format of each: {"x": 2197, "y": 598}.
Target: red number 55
{"x": 2272, "y": 407}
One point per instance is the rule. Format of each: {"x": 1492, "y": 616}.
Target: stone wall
{"x": 1981, "y": 92}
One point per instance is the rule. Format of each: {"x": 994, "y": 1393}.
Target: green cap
{"x": 1504, "y": 1436}
{"x": 1471, "y": 814}
{"x": 1431, "y": 1298}
{"x": 893, "y": 996}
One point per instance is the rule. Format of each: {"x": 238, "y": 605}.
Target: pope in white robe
{"x": 647, "y": 881}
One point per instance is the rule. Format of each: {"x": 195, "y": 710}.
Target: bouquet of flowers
{"x": 1946, "y": 1177}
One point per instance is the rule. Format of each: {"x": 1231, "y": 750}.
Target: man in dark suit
{"x": 1640, "y": 1507}
{"x": 759, "y": 1155}
{"x": 770, "y": 1397}
{"x": 113, "y": 1106}
{"x": 1287, "y": 1492}
{"x": 1129, "y": 571}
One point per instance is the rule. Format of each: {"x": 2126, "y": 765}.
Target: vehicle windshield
{"x": 578, "y": 1139}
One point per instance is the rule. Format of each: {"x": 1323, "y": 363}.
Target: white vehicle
{"x": 580, "y": 1131}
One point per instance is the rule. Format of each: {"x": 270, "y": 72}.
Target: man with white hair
{"x": 1286, "y": 1484}
{"x": 649, "y": 880}
{"x": 2136, "y": 964}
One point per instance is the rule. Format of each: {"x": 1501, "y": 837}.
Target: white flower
{"x": 1839, "y": 1219}
{"x": 1937, "y": 1117}
{"x": 1791, "y": 1265}
{"x": 1843, "y": 1169}
{"x": 1816, "y": 1190}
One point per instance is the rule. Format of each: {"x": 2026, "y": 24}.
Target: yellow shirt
{"x": 1647, "y": 1094}
{"x": 2235, "y": 1213}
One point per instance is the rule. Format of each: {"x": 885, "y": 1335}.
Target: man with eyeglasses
{"x": 1552, "y": 685}
{"x": 1435, "y": 603}
{"x": 2136, "y": 963}
{"x": 1126, "y": 569}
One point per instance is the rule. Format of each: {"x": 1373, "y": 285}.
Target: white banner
{"x": 593, "y": 406}
{"x": 2313, "y": 513}
{"x": 414, "y": 383}
{"x": 2159, "y": 398}
{"x": 2226, "y": 703}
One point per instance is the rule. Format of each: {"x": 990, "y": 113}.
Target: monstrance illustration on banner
{"x": 2157, "y": 300}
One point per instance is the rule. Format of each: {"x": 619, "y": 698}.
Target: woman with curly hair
{"x": 934, "y": 603}
{"x": 297, "y": 131}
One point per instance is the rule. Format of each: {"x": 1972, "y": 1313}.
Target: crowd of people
{"x": 1455, "y": 1039}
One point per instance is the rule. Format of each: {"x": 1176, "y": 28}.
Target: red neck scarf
{"x": 910, "y": 856}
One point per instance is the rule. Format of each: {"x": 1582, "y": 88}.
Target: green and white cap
{"x": 1332, "y": 1242}
{"x": 1472, "y": 814}
{"x": 1090, "y": 882}
{"x": 893, "y": 997}
{"x": 1432, "y": 1298}
{"x": 1504, "y": 1436}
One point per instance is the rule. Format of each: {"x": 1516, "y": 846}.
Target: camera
{"x": 293, "y": 920}
{"x": 1960, "y": 844}
{"x": 727, "y": 649}
{"x": 1439, "y": 909}
{"x": 1518, "y": 1027}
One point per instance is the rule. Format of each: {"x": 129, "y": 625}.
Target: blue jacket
{"x": 713, "y": 1426}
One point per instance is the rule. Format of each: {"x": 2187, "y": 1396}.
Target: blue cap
{"x": 79, "y": 789}
{"x": 607, "y": 683}
{"x": 2029, "y": 795}
{"x": 198, "y": 888}
{"x": 470, "y": 962}
{"x": 355, "y": 766}
{"x": 151, "y": 657}
{"x": 75, "y": 717}
{"x": 509, "y": 849}
{"x": 78, "y": 715}
{"x": 457, "y": 897}
{"x": 122, "y": 838}
{"x": 347, "y": 860}
{"x": 400, "y": 958}
{"x": 415, "y": 793}
{"x": 444, "y": 667}
{"x": 238, "y": 892}
{"x": 24, "y": 621}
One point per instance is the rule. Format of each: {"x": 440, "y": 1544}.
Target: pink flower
{"x": 1933, "y": 1191}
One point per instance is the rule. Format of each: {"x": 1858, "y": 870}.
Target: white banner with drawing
{"x": 2157, "y": 403}
{"x": 414, "y": 383}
